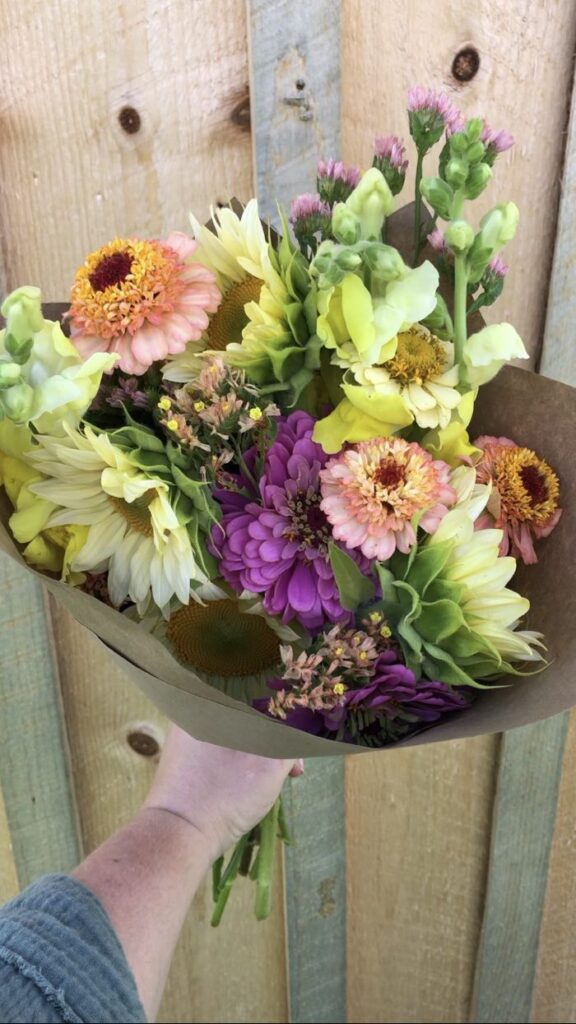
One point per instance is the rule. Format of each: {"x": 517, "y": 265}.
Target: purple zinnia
{"x": 277, "y": 544}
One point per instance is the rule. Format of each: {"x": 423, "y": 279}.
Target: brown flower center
{"x": 223, "y": 640}
{"x": 230, "y": 319}
{"x": 136, "y": 513}
{"x": 112, "y": 269}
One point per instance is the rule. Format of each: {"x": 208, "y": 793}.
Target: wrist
{"x": 182, "y": 833}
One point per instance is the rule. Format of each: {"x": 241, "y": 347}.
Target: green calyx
{"x": 424, "y": 611}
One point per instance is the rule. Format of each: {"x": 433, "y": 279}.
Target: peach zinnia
{"x": 523, "y": 502}
{"x": 141, "y": 299}
{"x": 372, "y": 492}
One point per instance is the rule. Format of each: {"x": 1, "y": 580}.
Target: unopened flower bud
{"x": 346, "y": 226}
{"x": 474, "y": 128}
{"x": 22, "y": 310}
{"x": 371, "y": 202}
{"x": 475, "y": 152}
{"x": 499, "y": 226}
{"x": 438, "y": 194}
{"x": 459, "y": 235}
{"x": 458, "y": 143}
{"x": 456, "y": 171}
{"x": 9, "y": 374}
{"x": 17, "y": 402}
{"x": 384, "y": 261}
{"x": 477, "y": 180}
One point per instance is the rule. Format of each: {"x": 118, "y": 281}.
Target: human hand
{"x": 222, "y": 793}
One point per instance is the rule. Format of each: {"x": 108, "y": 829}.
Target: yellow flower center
{"x": 136, "y": 513}
{"x": 220, "y": 639}
{"x": 339, "y": 689}
{"x": 528, "y": 487}
{"x": 419, "y": 357}
{"x": 230, "y": 319}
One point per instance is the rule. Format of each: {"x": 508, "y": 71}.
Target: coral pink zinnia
{"x": 141, "y": 299}
{"x": 372, "y": 491}
{"x": 524, "y": 497}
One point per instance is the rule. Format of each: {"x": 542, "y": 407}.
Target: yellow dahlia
{"x": 134, "y": 533}
{"x": 143, "y": 299}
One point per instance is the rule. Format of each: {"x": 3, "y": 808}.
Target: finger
{"x": 297, "y": 768}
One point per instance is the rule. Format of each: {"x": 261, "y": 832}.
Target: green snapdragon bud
{"x": 475, "y": 152}
{"x": 384, "y": 261}
{"x": 10, "y": 374}
{"x": 17, "y": 402}
{"x": 22, "y": 310}
{"x": 346, "y": 226}
{"x": 459, "y": 235}
{"x": 439, "y": 194}
{"x": 370, "y": 202}
{"x": 456, "y": 171}
{"x": 499, "y": 226}
{"x": 477, "y": 180}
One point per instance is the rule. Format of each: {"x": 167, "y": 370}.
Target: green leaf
{"x": 427, "y": 563}
{"x": 440, "y": 620}
{"x": 353, "y": 587}
{"x": 137, "y": 436}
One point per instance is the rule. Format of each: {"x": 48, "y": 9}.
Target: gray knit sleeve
{"x": 60, "y": 959}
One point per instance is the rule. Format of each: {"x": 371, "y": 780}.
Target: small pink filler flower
{"x": 142, "y": 299}
{"x": 372, "y": 491}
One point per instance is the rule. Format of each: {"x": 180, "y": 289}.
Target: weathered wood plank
{"x": 34, "y": 776}
{"x": 73, "y": 177}
{"x": 315, "y": 873}
{"x": 555, "y": 990}
{"x": 524, "y": 815}
{"x": 417, "y": 826}
{"x": 295, "y": 102}
{"x": 294, "y": 94}
{"x": 386, "y": 48}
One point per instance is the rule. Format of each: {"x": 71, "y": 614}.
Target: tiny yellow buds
{"x": 362, "y": 656}
{"x": 171, "y": 424}
{"x": 386, "y": 632}
{"x": 165, "y": 403}
{"x": 375, "y": 618}
{"x": 339, "y": 651}
{"x": 339, "y": 689}
{"x": 199, "y": 406}
{"x": 256, "y": 414}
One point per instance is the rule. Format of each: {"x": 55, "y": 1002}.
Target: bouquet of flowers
{"x": 244, "y": 459}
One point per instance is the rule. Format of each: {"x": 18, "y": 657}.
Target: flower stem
{"x": 223, "y": 885}
{"x": 460, "y": 303}
{"x": 268, "y": 832}
{"x": 418, "y": 205}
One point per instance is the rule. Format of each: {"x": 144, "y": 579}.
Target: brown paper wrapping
{"x": 533, "y": 411}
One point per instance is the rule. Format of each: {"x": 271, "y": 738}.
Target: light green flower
{"x": 55, "y": 386}
{"x": 448, "y": 602}
{"x": 351, "y": 313}
{"x": 486, "y": 352}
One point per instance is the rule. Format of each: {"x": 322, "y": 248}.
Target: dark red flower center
{"x": 111, "y": 270}
{"x": 309, "y": 525}
{"x": 389, "y": 473}
{"x": 534, "y": 484}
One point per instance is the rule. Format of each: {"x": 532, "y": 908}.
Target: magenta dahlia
{"x": 277, "y": 543}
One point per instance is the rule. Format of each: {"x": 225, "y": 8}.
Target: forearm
{"x": 146, "y": 876}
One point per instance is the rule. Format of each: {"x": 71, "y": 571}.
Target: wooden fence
{"x": 441, "y": 884}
